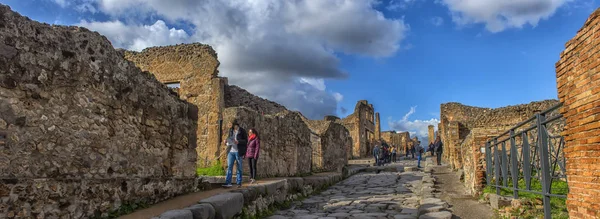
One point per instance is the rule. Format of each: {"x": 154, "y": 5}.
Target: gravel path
{"x": 454, "y": 192}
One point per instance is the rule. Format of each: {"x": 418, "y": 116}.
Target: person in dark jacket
{"x": 236, "y": 141}
{"x": 438, "y": 149}
{"x": 430, "y": 148}
{"x": 376, "y": 154}
{"x": 252, "y": 153}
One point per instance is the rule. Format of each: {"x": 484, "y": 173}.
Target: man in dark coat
{"x": 236, "y": 141}
{"x": 438, "y": 147}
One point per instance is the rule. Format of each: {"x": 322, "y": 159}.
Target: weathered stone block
{"x": 227, "y": 205}
{"x": 202, "y": 211}
{"x": 177, "y": 214}
{"x": 437, "y": 215}
{"x": 498, "y": 202}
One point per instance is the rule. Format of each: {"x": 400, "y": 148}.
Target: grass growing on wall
{"x": 215, "y": 170}
{"x": 558, "y": 205}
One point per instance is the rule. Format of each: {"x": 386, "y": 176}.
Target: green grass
{"x": 215, "y": 170}
{"x": 558, "y": 205}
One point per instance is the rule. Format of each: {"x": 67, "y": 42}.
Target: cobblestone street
{"x": 397, "y": 190}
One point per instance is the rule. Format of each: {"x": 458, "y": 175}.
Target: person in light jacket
{"x": 252, "y": 153}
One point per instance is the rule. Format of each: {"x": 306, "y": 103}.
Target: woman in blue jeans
{"x": 236, "y": 147}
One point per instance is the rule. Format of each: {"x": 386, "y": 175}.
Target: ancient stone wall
{"x": 236, "y": 96}
{"x": 578, "y": 83}
{"x": 331, "y": 142}
{"x": 392, "y": 138}
{"x": 404, "y": 141}
{"x": 285, "y": 139}
{"x": 86, "y": 131}
{"x": 361, "y": 125}
{"x": 458, "y": 120}
{"x": 194, "y": 67}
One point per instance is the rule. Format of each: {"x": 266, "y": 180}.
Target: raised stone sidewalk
{"x": 250, "y": 201}
{"x": 398, "y": 190}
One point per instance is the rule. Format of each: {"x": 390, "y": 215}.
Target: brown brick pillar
{"x": 578, "y": 83}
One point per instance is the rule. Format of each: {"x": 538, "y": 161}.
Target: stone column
{"x": 578, "y": 83}
{"x": 377, "y": 128}
{"x": 431, "y": 134}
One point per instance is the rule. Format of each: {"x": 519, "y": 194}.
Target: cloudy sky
{"x": 321, "y": 56}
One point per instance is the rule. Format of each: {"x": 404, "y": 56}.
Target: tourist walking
{"x": 236, "y": 141}
{"x": 252, "y": 153}
{"x": 420, "y": 152}
{"x": 412, "y": 151}
{"x": 376, "y": 154}
{"x": 438, "y": 147}
{"x": 407, "y": 150}
{"x": 394, "y": 154}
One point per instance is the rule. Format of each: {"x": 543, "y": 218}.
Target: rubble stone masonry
{"x": 331, "y": 144}
{"x": 194, "y": 67}
{"x": 285, "y": 141}
{"x": 578, "y": 83}
{"x": 361, "y": 125}
{"x": 465, "y": 129}
{"x": 84, "y": 131}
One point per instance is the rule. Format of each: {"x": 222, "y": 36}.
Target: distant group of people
{"x": 384, "y": 154}
{"x": 241, "y": 145}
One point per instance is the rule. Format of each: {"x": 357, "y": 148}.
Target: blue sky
{"x": 320, "y": 57}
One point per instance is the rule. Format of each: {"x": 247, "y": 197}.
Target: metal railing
{"x": 534, "y": 154}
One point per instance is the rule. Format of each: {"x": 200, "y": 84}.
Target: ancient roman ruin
{"x": 86, "y": 129}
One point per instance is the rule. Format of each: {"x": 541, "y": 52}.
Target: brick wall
{"x": 578, "y": 83}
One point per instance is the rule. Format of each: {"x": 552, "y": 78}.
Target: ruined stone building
{"x": 465, "y": 130}
{"x": 286, "y": 147}
{"x": 392, "y": 138}
{"x": 86, "y": 130}
{"x": 364, "y": 129}
{"x": 331, "y": 144}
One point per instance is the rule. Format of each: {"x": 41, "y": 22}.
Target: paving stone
{"x": 177, "y": 214}
{"x": 404, "y": 216}
{"x": 427, "y": 208}
{"x": 202, "y": 211}
{"x": 278, "y": 217}
{"x": 437, "y": 215}
{"x": 226, "y": 205}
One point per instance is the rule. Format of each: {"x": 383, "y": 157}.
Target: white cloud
{"x": 397, "y": 5}
{"x": 280, "y": 50}
{"x": 338, "y": 97}
{"x": 138, "y": 37}
{"x": 317, "y": 83}
{"x": 437, "y": 21}
{"x": 416, "y": 127}
{"x": 61, "y": 3}
{"x": 499, "y": 15}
